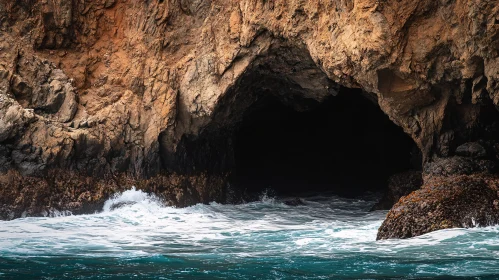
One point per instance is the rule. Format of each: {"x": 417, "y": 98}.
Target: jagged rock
{"x": 84, "y": 86}
{"x": 153, "y": 77}
{"x": 13, "y": 118}
{"x": 458, "y": 165}
{"x": 81, "y": 194}
{"x": 444, "y": 202}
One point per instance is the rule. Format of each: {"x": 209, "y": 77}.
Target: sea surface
{"x": 136, "y": 237}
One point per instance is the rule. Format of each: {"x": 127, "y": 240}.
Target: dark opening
{"x": 345, "y": 144}
{"x": 284, "y": 125}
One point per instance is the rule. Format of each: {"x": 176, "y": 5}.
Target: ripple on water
{"x": 327, "y": 237}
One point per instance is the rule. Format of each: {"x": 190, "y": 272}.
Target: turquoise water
{"x": 328, "y": 238}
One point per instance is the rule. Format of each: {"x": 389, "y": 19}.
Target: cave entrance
{"x": 345, "y": 145}
{"x": 286, "y": 126}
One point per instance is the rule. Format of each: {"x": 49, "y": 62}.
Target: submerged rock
{"x": 294, "y": 202}
{"x": 121, "y": 204}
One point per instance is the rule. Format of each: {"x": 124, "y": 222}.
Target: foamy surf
{"x": 131, "y": 197}
{"x": 326, "y": 237}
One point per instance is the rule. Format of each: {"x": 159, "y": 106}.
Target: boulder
{"x": 444, "y": 202}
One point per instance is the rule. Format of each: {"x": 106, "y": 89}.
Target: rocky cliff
{"x": 97, "y": 93}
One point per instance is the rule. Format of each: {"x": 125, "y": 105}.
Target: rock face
{"x": 62, "y": 191}
{"x": 142, "y": 89}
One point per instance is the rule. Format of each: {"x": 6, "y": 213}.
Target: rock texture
{"x": 155, "y": 88}
{"x": 459, "y": 201}
{"x": 63, "y": 192}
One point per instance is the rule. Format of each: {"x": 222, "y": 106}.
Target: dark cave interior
{"x": 284, "y": 125}
{"x": 345, "y": 145}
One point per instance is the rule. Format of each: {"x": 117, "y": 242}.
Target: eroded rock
{"x": 457, "y": 165}
{"x": 64, "y": 191}
{"x": 118, "y": 87}
{"x": 445, "y": 202}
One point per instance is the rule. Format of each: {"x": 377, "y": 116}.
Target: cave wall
{"x": 113, "y": 86}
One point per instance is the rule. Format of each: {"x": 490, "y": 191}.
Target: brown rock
{"x": 445, "y": 202}
{"x": 144, "y": 88}
{"x": 64, "y": 191}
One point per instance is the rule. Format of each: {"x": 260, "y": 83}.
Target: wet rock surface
{"x": 457, "y": 165}
{"x": 294, "y": 202}
{"x": 121, "y": 205}
{"x": 444, "y": 202}
{"x": 68, "y": 192}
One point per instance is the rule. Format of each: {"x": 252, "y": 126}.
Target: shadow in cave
{"x": 345, "y": 145}
{"x": 284, "y": 125}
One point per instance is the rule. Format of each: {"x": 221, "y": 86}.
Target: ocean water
{"x": 136, "y": 237}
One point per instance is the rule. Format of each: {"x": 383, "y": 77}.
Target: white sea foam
{"x": 326, "y": 227}
{"x": 131, "y": 197}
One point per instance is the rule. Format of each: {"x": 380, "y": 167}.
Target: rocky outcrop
{"x": 458, "y": 191}
{"x": 460, "y": 201}
{"x": 139, "y": 89}
{"x": 62, "y": 192}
